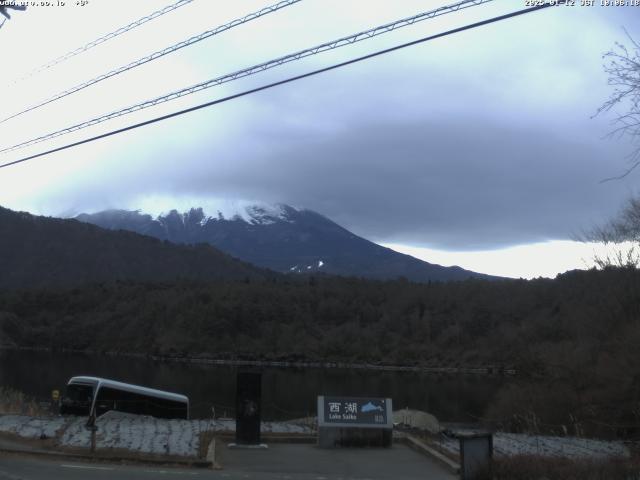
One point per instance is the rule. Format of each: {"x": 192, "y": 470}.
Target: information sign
{"x": 355, "y": 411}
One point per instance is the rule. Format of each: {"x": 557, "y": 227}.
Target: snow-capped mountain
{"x": 279, "y": 237}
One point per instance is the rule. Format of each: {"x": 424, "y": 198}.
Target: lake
{"x": 286, "y": 392}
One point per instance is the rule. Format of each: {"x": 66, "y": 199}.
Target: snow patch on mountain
{"x": 301, "y": 269}
{"x": 267, "y": 214}
{"x": 214, "y": 209}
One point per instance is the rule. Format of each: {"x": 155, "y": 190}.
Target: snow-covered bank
{"x": 135, "y": 433}
{"x": 148, "y": 435}
{"x": 510, "y": 444}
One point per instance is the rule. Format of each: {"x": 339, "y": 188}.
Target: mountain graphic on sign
{"x": 370, "y": 407}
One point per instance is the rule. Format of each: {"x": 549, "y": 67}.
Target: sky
{"x": 479, "y": 149}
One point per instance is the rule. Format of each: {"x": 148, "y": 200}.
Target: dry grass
{"x": 15, "y": 402}
{"x": 526, "y": 467}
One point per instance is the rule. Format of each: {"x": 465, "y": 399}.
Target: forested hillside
{"x": 578, "y": 333}
{"x": 49, "y": 252}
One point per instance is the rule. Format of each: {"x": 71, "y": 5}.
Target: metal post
{"x": 91, "y": 425}
{"x": 476, "y": 453}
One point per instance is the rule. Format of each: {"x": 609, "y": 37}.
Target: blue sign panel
{"x": 356, "y": 411}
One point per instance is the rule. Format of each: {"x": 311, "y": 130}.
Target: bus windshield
{"x": 80, "y": 393}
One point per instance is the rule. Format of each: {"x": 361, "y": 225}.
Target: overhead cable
{"x": 341, "y": 42}
{"x": 281, "y": 82}
{"x": 157, "y": 54}
{"x": 104, "y": 38}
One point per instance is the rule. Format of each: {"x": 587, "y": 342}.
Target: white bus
{"x": 94, "y": 396}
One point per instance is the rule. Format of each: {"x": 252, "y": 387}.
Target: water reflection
{"x": 287, "y": 393}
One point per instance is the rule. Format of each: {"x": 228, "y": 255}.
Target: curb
{"x": 421, "y": 447}
{"x": 211, "y": 455}
{"x": 308, "y": 439}
{"x": 197, "y": 463}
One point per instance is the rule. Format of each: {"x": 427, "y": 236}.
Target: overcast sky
{"x": 477, "y": 149}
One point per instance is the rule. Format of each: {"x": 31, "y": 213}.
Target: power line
{"x": 285, "y": 81}
{"x": 158, "y": 54}
{"x": 104, "y": 38}
{"x": 341, "y": 42}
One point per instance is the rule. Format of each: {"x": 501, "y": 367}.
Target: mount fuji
{"x": 281, "y": 238}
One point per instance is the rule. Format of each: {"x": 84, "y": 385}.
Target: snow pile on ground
{"x": 32, "y": 427}
{"x": 417, "y": 419}
{"x": 135, "y": 433}
{"x": 138, "y": 433}
{"x": 509, "y": 444}
{"x": 149, "y": 435}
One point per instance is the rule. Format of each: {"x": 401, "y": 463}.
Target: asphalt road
{"x": 279, "y": 462}
{"x": 30, "y": 468}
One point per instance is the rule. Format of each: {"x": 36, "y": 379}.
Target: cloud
{"x": 476, "y": 141}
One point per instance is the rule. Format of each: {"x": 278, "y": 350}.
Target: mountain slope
{"x": 281, "y": 238}
{"x": 41, "y": 252}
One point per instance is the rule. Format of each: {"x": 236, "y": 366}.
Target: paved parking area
{"x": 309, "y": 461}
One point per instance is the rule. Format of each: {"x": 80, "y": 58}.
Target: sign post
{"x": 354, "y": 421}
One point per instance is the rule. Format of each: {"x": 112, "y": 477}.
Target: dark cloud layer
{"x": 446, "y": 183}
{"x": 463, "y": 145}
{"x": 456, "y": 186}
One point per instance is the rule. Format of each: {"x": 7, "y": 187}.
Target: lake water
{"x": 286, "y": 392}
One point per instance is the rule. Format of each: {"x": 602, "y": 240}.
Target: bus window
{"x": 77, "y": 400}
{"x": 129, "y": 402}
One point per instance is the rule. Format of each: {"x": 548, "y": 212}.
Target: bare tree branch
{"x": 622, "y": 65}
{"x": 627, "y": 172}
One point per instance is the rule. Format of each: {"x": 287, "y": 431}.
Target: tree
{"x": 624, "y": 228}
{"x": 5, "y": 13}
{"x": 622, "y": 64}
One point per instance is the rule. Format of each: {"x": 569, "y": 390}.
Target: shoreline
{"x": 491, "y": 370}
